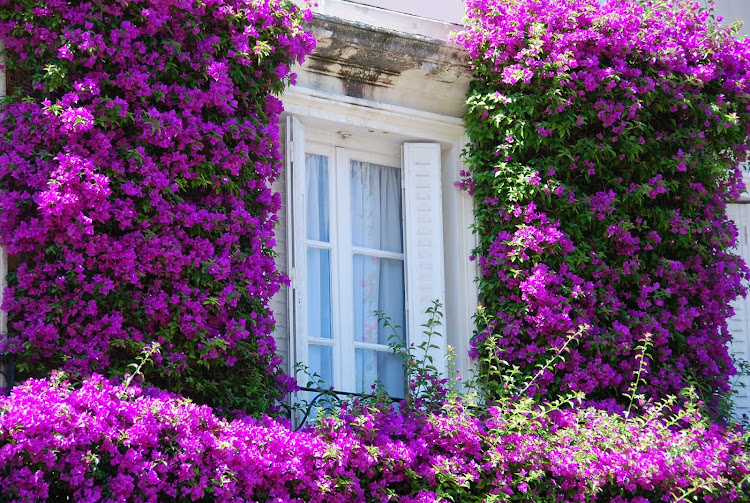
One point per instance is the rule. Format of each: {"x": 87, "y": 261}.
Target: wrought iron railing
{"x": 331, "y": 394}
{"x": 8, "y": 371}
{"x": 7, "y": 374}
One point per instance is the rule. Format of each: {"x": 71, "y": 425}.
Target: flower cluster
{"x": 99, "y": 442}
{"x": 605, "y": 141}
{"x": 138, "y": 145}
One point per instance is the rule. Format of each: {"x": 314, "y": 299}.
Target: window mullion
{"x": 370, "y": 252}
{"x": 321, "y": 245}
{"x": 372, "y": 346}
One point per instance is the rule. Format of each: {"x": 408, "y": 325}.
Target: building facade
{"x": 379, "y": 100}
{"x": 371, "y": 219}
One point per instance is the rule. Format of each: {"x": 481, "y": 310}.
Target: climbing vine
{"x": 138, "y": 143}
{"x": 605, "y": 143}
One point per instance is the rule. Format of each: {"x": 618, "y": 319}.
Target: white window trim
{"x": 339, "y": 245}
{"x": 460, "y": 272}
{"x": 306, "y": 140}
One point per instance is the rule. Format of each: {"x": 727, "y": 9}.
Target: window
{"x": 366, "y": 238}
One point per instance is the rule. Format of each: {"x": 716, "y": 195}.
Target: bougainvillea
{"x": 605, "y": 141}
{"x": 102, "y": 443}
{"x": 137, "y": 148}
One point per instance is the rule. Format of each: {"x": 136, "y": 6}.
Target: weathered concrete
{"x": 386, "y": 66}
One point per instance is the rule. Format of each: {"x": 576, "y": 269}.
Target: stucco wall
{"x": 731, "y": 10}
{"x": 450, "y": 11}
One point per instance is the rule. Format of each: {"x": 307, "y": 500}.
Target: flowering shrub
{"x": 604, "y": 147}
{"x": 110, "y": 443}
{"x": 137, "y": 149}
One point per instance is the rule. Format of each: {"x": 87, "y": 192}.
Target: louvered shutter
{"x": 739, "y": 325}
{"x": 295, "y": 158}
{"x": 423, "y": 237}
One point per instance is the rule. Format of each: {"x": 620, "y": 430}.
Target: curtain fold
{"x": 378, "y": 282}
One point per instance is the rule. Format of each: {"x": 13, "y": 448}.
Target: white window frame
{"x": 341, "y": 216}
{"x": 341, "y": 258}
{"x": 412, "y": 126}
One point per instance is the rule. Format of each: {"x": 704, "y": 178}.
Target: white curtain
{"x": 316, "y": 189}
{"x": 378, "y": 282}
{"x": 318, "y": 267}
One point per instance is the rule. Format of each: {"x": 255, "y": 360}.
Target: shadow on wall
{"x": 731, "y": 10}
{"x": 450, "y": 11}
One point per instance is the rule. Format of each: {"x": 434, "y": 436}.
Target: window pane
{"x": 321, "y": 363}
{"x": 379, "y": 366}
{"x": 319, "y": 294}
{"x": 316, "y": 172}
{"x": 376, "y": 206}
{"x": 378, "y": 286}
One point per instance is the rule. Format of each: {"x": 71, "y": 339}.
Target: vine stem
{"x": 147, "y": 352}
{"x": 571, "y": 337}
{"x": 641, "y": 358}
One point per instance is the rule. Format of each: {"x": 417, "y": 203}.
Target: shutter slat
{"x": 423, "y": 238}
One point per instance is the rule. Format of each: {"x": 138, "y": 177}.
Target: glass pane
{"x": 316, "y": 173}
{"x": 378, "y": 286}
{"x": 379, "y": 366}
{"x": 376, "y": 206}
{"x": 321, "y": 363}
{"x": 319, "y": 294}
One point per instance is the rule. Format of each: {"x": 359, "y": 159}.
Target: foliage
{"x": 98, "y": 441}
{"x": 424, "y": 386}
{"x": 604, "y": 144}
{"x": 135, "y": 172}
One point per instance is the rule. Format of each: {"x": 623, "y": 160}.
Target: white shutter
{"x": 295, "y": 159}
{"x": 738, "y": 324}
{"x": 423, "y": 238}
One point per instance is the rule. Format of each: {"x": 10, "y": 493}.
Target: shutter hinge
{"x": 293, "y": 278}
{"x": 292, "y": 153}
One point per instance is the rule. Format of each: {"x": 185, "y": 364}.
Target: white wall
{"x": 450, "y": 11}
{"x": 734, "y": 9}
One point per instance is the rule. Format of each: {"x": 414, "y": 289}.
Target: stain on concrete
{"x": 365, "y": 58}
